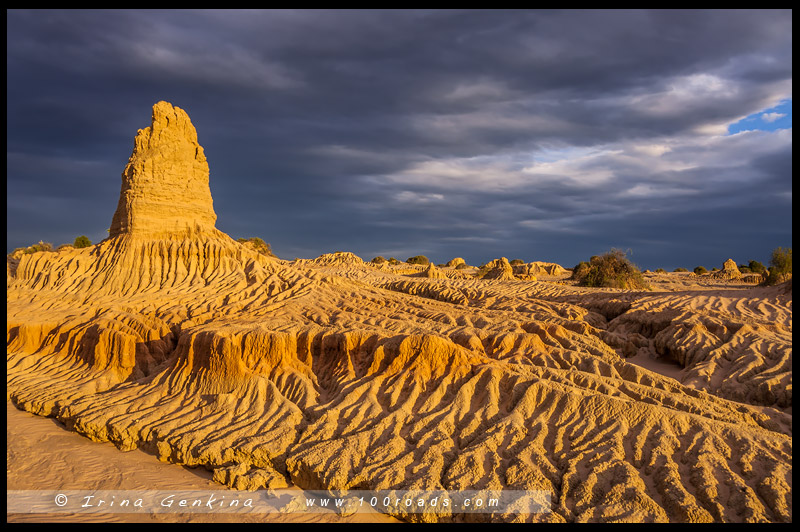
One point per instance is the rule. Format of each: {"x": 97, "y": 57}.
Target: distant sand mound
{"x": 540, "y": 269}
{"x": 752, "y": 278}
{"x": 432, "y": 272}
{"x": 454, "y": 263}
{"x": 339, "y": 258}
{"x": 499, "y": 269}
{"x": 729, "y": 272}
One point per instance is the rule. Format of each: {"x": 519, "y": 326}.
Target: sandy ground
{"x": 663, "y": 366}
{"x": 42, "y": 455}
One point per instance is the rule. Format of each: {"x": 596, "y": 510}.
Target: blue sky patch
{"x": 772, "y": 119}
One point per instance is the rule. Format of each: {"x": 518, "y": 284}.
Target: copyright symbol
{"x": 61, "y": 500}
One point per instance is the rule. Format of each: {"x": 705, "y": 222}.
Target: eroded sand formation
{"x": 171, "y": 337}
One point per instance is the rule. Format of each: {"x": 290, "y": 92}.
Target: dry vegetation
{"x": 610, "y": 270}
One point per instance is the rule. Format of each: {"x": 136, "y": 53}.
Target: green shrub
{"x": 41, "y": 246}
{"x": 517, "y": 262}
{"x": 259, "y": 245}
{"x": 82, "y": 242}
{"x": 378, "y": 260}
{"x": 462, "y": 266}
{"x": 744, "y": 269}
{"x": 661, "y": 270}
{"x": 714, "y": 269}
{"x": 418, "y": 259}
{"x": 757, "y": 267}
{"x": 610, "y": 270}
{"x": 700, "y": 270}
{"x": 393, "y": 261}
{"x": 780, "y": 266}
{"x": 680, "y": 270}
{"x": 65, "y": 246}
{"x": 580, "y": 270}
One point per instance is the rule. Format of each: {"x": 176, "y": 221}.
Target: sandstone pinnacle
{"x": 499, "y": 269}
{"x": 165, "y": 183}
{"x": 729, "y": 271}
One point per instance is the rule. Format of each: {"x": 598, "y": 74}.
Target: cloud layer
{"x": 549, "y": 135}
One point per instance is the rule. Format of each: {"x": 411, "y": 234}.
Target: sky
{"x": 539, "y": 135}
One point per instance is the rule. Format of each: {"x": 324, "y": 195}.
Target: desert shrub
{"x": 744, "y": 269}
{"x": 65, "y": 246}
{"x": 700, "y": 270}
{"x": 41, "y": 246}
{"x": 462, "y": 266}
{"x": 580, "y": 270}
{"x": 418, "y": 259}
{"x": 661, "y": 270}
{"x": 517, "y": 262}
{"x": 680, "y": 270}
{"x": 610, "y": 270}
{"x": 780, "y": 266}
{"x": 259, "y": 245}
{"x": 757, "y": 267}
{"x": 393, "y": 261}
{"x": 82, "y": 242}
{"x": 714, "y": 269}
{"x": 378, "y": 260}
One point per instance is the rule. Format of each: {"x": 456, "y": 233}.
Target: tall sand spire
{"x": 165, "y": 183}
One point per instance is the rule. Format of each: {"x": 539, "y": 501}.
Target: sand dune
{"x": 336, "y": 374}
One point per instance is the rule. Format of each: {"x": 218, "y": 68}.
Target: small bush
{"x": 780, "y": 266}
{"x": 258, "y": 244}
{"x": 462, "y": 266}
{"x": 744, "y": 269}
{"x": 714, "y": 269}
{"x": 580, "y": 270}
{"x": 393, "y": 261}
{"x": 680, "y": 270}
{"x": 418, "y": 259}
{"x": 661, "y": 270}
{"x": 65, "y": 246}
{"x": 517, "y": 262}
{"x": 378, "y": 260}
{"x": 610, "y": 270}
{"x": 82, "y": 242}
{"x": 41, "y": 246}
{"x": 700, "y": 270}
{"x": 757, "y": 267}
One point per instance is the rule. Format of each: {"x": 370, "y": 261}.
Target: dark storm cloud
{"x": 471, "y": 133}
